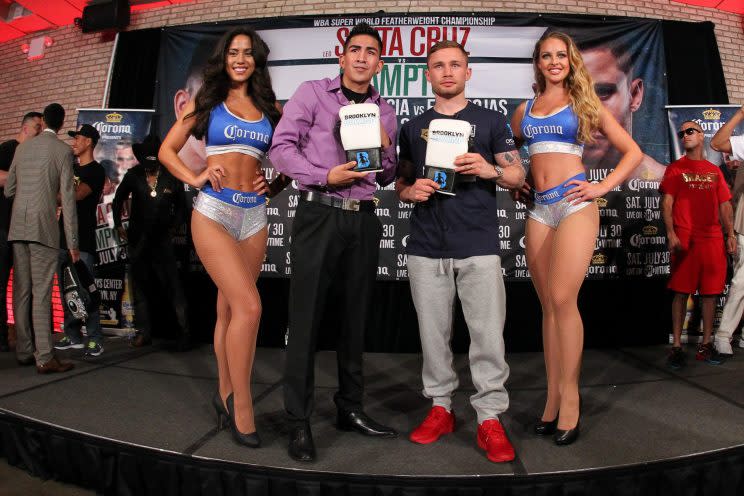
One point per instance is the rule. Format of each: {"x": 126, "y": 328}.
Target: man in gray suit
{"x": 30, "y": 128}
{"x": 41, "y": 170}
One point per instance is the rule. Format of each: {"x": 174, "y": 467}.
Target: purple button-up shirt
{"x": 307, "y": 144}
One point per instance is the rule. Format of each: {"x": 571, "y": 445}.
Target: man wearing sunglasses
{"x": 695, "y": 205}
{"x": 723, "y": 142}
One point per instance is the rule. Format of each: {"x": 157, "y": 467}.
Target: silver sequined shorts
{"x": 241, "y": 214}
{"x": 552, "y": 214}
{"x": 550, "y": 206}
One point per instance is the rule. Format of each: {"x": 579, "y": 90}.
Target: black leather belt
{"x": 343, "y": 203}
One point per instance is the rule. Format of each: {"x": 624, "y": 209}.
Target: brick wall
{"x": 73, "y": 71}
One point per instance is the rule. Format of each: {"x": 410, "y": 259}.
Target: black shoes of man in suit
{"x": 301, "y": 445}
{"x": 361, "y": 423}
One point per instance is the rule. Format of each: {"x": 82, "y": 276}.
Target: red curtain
{"x": 58, "y": 316}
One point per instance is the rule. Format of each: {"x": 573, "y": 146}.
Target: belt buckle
{"x": 350, "y": 204}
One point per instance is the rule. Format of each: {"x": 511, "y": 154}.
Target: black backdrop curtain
{"x": 615, "y": 312}
{"x": 693, "y": 64}
{"x": 135, "y": 69}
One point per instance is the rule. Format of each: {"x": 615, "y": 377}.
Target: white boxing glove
{"x": 360, "y": 135}
{"x": 446, "y": 140}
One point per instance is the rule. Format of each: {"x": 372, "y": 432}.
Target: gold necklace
{"x": 154, "y": 193}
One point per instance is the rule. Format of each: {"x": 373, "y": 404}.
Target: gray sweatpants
{"x": 734, "y": 306}
{"x": 479, "y": 283}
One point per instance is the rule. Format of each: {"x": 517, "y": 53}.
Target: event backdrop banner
{"x": 119, "y": 128}
{"x": 625, "y": 57}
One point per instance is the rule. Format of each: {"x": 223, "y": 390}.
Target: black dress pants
{"x": 153, "y": 261}
{"x": 329, "y": 246}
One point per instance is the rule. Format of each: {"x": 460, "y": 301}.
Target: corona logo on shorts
{"x": 650, "y": 230}
{"x": 599, "y": 259}
{"x": 114, "y": 117}
{"x": 239, "y": 199}
{"x": 601, "y": 202}
{"x": 711, "y": 114}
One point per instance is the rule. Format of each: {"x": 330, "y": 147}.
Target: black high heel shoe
{"x": 566, "y": 437}
{"x": 219, "y": 408}
{"x": 546, "y": 428}
{"x": 251, "y": 440}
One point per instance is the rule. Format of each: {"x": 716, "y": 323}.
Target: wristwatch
{"x": 499, "y": 171}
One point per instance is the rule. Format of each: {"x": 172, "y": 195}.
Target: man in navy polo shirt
{"x": 453, "y": 248}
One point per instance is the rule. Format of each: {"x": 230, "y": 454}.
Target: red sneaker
{"x": 492, "y": 438}
{"x": 438, "y": 422}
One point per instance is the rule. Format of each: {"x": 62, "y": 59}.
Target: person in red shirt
{"x": 695, "y": 205}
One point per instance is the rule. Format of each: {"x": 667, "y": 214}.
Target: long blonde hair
{"x": 583, "y": 98}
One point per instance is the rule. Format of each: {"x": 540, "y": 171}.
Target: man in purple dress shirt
{"x": 335, "y": 234}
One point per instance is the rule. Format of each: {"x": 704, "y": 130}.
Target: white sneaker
{"x": 723, "y": 346}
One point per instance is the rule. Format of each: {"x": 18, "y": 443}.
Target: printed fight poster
{"x": 624, "y": 56}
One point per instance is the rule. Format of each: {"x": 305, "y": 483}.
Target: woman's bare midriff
{"x": 241, "y": 170}
{"x": 549, "y": 170}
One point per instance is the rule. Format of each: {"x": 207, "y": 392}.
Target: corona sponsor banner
{"x": 711, "y": 118}
{"x": 626, "y": 60}
{"x": 119, "y": 128}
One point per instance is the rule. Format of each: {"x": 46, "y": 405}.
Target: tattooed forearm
{"x": 510, "y": 157}
{"x": 513, "y": 176}
{"x": 507, "y": 159}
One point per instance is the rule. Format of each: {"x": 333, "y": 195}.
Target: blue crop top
{"x": 554, "y": 133}
{"x": 229, "y": 133}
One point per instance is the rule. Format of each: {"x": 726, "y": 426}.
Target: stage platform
{"x": 139, "y": 422}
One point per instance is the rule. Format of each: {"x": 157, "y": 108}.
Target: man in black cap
{"x": 89, "y": 179}
{"x": 157, "y": 206}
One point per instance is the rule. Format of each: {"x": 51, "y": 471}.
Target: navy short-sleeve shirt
{"x": 464, "y": 225}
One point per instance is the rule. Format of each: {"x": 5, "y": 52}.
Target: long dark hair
{"x": 217, "y": 83}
